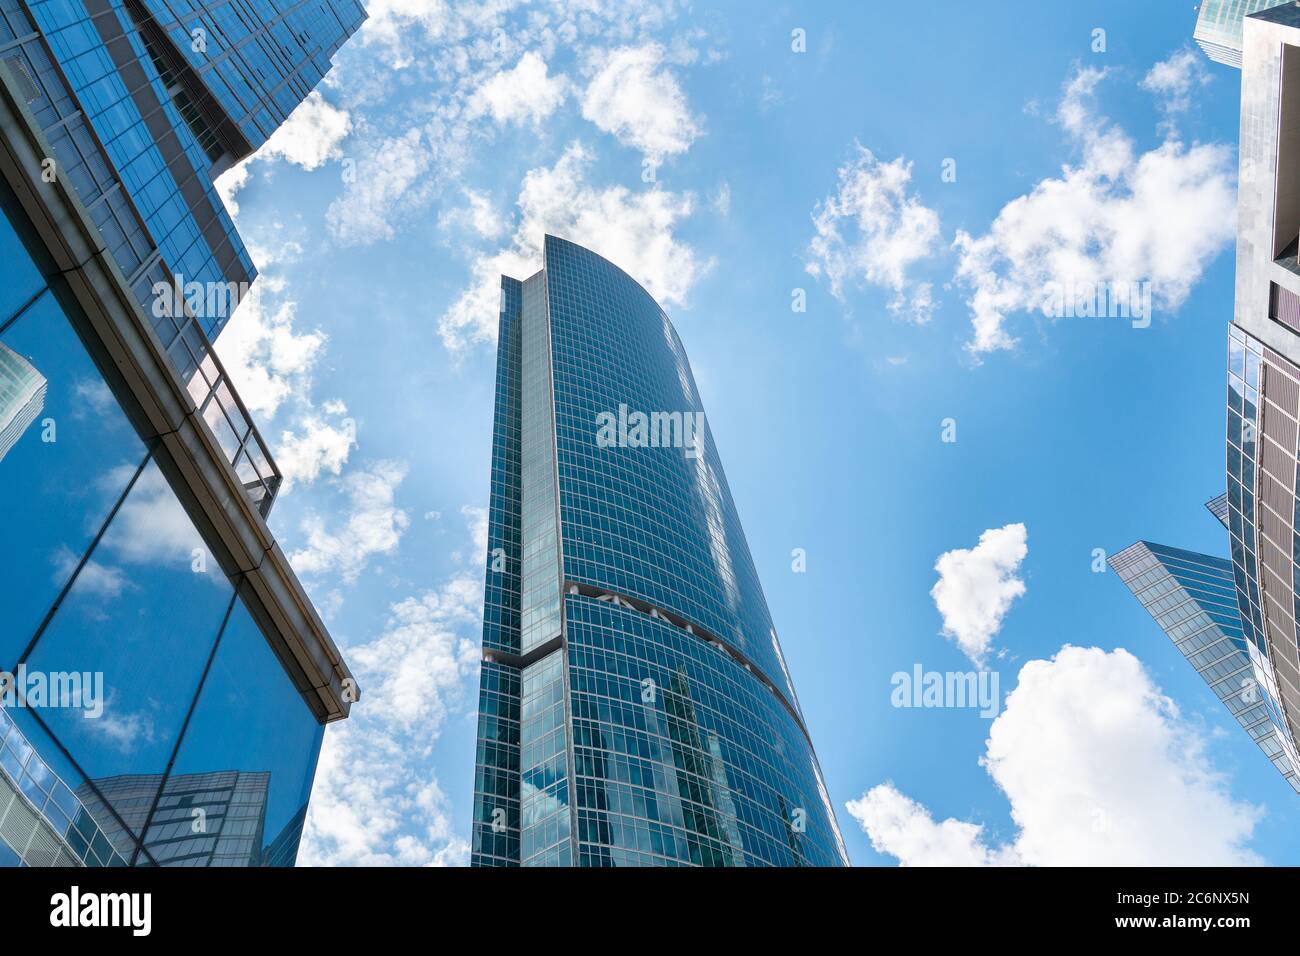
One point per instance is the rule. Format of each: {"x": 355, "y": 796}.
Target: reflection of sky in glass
{"x": 68, "y": 485}
{"x": 157, "y": 600}
{"x": 250, "y": 717}
{"x": 145, "y": 606}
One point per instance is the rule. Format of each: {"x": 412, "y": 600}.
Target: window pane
{"x": 19, "y": 277}
{"x": 66, "y": 454}
{"x": 245, "y": 766}
{"x": 138, "y": 630}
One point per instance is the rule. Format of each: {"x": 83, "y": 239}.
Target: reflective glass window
{"x": 67, "y": 452}
{"x": 245, "y": 766}
{"x": 136, "y": 630}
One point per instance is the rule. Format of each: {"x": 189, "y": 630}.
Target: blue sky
{"x": 697, "y": 149}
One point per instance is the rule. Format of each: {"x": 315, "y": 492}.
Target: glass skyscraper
{"x": 164, "y": 678}
{"x": 145, "y": 102}
{"x": 635, "y": 708}
{"x": 1219, "y": 26}
{"x": 1194, "y": 600}
{"x": 1252, "y": 660}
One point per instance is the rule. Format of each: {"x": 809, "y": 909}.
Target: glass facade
{"x": 635, "y": 708}
{"x": 1193, "y": 597}
{"x": 1251, "y": 658}
{"x": 145, "y": 102}
{"x": 1219, "y": 27}
{"x": 163, "y": 693}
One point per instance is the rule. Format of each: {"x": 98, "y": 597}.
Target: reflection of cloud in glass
{"x": 22, "y": 396}
{"x": 121, "y": 729}
{"x": 103, "y": 580}
{"x": 151, "y": 527}
{"x": 94, "y": 396}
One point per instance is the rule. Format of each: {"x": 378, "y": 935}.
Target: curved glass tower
{"x": 635, "y": 708}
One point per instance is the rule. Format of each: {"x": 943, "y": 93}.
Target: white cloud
{"x": 271, "y": 364}
{"x": 229, "y": 184}
{"x": 636, "y": 99}
{"x": 95, "y": 396}
{"x": 874, "y": 230}
{"x": 267, "y": 359}
{"x": 1099, "y": 769}
{"x": 455, "y": 72}
{"x": 310, "y": 136}
{"x": 976, "y": 587}
{"x": 388, "y": 21}
{"x": 372, "y": 525}
{"x": 410, "y": 668}
{"x": 375, "y": 800}
{"x": 523, "y": 93}
{"x": 722, "y": 200}
{"x": 1175, "y": 79}
{"x": 478, "y": 215}
{"x": 386, "y": 180}
{"x": 901, "y": 827}
{"x": 317, "y": 444}
{"x": 1120, "y": 217}
{"x": 476, "y": 519}
{"x": 634, "y": 230}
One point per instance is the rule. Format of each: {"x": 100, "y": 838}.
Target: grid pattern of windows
{"x": 495, "y": 839}
{"x": 654, "y": 523}
{"x": 544, "y": 818}
{"x": 1263, "y": 406}
{"x": 112, "y": 204}
{"x": 1193, "y": 598}
{"x": 206, "y": 819}
{"x": 539, "y": 604}
{"x": 42, "y": 790}
{"x": 661, "y": 728}
{"x": 1219, "y": 27}
{"x": 259, "y": 58}
{"x": 496, "y": 772}
{"x": 501, "y": 587}
{"x": 108, "y": 78}
{"x": 680, "y": 756}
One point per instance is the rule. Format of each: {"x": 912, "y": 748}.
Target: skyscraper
{"x": 1193, "y": 599}
{"x": 152, "y": 632}
{"x": 22, "y": 396}
{"x": 635, "y": 707}
{"x": 1261, "y": 510}
{"x": 145, "y": 102}
{"x": 1219, "y": 25}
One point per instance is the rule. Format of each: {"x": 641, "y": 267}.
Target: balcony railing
{"x": 219, "y": 405}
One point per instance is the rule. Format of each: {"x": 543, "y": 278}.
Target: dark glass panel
{"x": 237, "y": 795}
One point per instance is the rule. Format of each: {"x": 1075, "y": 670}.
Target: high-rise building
{"x": 1261, "y": 507}
{"x": 215, "y": 818}
{"x": 151, "y": 629}
{"x": 22, "y": 396}
{"x": 145, "y": 102}
{"x": 635, "y": 708}
{"x": 1219, "y": 25}
{"x": 1193, "y": 599}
